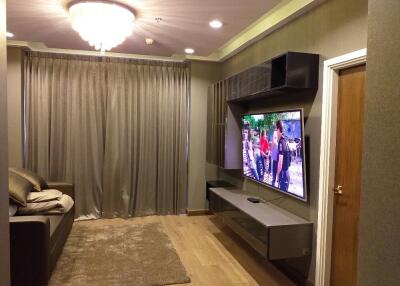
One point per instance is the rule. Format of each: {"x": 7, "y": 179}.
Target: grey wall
{"x": 334, "y": 28}
{"x": 379, "y": 242}
{"x": 14, "y": 104}
{"x": 203, "y": 74}
{"x": 4, "y": 224}
{"x": 331, "y": 29}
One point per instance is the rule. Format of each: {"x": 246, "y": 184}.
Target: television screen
{"x": 273, "y": 151}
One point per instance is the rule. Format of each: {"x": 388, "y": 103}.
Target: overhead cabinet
{"x": 287, "y": 72}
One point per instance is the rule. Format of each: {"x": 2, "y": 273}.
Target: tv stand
{"x": 271, "y": 231}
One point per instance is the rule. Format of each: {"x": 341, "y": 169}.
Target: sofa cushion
{"x": 18, "y": 188}
{"x": 37, "y": 181}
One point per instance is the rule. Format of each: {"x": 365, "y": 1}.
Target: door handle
{"x": 338, "y": 190}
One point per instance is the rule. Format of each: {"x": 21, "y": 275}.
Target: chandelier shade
{"x": 104, "y": 25}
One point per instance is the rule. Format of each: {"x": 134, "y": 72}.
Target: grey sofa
{"x": 36, "y": 242}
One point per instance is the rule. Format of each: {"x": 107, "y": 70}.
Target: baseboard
{"x": 198, "y": 212}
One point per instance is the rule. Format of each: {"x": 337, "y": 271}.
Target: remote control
{"x": 253, "y": 200}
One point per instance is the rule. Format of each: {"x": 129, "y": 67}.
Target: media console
{"x": 271, "y": 231}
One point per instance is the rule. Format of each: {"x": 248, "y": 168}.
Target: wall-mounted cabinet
{"x": 251, "y": 81}
{"x": 287, "y": 72}
{"x": 295, "y": 70}
{"x": 228, "y": 100}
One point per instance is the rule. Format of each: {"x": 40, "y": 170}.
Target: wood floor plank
{"x": 215, "y": 256}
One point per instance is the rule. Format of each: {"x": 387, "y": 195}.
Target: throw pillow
{"x": 18, "y": 188}
{"x": 37, "y": 181}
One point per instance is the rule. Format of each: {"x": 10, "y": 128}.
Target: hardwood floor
{"x": 215, "y": 255}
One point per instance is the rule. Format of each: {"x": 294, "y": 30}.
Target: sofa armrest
{"x": 65, "y": 188}
{"x": 29, "y": 249}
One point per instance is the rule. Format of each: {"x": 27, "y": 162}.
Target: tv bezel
{"x": 305, "y": 199}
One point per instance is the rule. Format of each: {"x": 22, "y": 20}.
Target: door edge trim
{"x": 331, "y": 70}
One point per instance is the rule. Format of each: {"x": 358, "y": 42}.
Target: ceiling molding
{"x": 283, "y": 13}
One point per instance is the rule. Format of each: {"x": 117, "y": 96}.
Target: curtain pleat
{"x": 115, "y": 128}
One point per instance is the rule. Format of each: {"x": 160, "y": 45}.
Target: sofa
{"x": 36, "y": 242}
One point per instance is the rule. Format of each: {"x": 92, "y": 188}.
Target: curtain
{"x": 116, "y": 128}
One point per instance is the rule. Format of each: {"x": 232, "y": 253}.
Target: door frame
{"x": 327, "y": 159}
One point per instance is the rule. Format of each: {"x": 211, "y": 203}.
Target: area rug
{"x": 118, "y": 254}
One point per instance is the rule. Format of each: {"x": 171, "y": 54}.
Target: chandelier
{"x": 104, "y": 25}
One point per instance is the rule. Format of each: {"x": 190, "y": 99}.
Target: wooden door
{"x": 347, "y": 176}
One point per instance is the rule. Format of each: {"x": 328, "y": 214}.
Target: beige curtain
{"x": 115, "y": 128}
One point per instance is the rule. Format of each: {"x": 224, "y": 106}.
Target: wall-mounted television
{"x": 273, "y": 151}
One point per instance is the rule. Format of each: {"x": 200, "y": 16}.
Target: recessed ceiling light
{"x": 216, "y": 24}
{"x": 189, "y": 51}
{"x": 9, "y": 35}
{"x": 149, "y": 41}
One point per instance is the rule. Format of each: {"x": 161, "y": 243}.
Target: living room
{"x": 131, "y": 147}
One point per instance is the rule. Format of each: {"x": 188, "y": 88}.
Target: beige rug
{"x": 121, "y": 253}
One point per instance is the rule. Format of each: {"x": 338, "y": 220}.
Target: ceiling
{"x": 184, "y": 24}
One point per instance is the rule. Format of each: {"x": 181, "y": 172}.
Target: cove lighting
{"x": 104, "y": 25}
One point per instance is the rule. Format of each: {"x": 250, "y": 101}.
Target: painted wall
{"x": 379, "y": 247}
{"x": 14, "y": 103}
{"x": 4, "y": 197}
{"x": 203, "y": 74}
{"x": 334, "y": 28}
